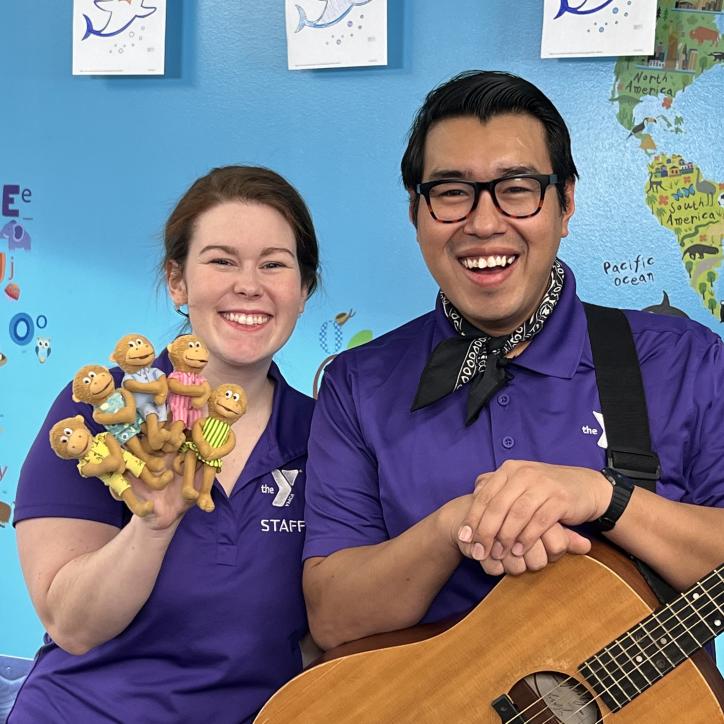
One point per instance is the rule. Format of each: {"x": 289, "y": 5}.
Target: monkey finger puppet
{"x": 115, "y": 409}
{"x": 134, "y": 354}
{"x": 188, "y": 389}
{"x": 102, "y": 457}
{"x": 211, "y": 439}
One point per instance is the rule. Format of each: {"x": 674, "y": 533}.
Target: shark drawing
{"x": 334, "y": 11}
{"x": 566, "y": 7}
{"x": 121, "y": 15}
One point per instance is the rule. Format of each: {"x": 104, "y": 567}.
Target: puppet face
{"x": 133, "y": 352}
{"x": 242, "y": 284}
{"x": 227, "y": 402}
{"x": 70, "y": 438}
{"x": 93, "y": 384}
{"x": 188, "y": 353}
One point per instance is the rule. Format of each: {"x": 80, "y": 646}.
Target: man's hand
{"x": 517, "y": 515}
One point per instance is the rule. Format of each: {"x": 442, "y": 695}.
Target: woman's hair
{"x": 243, "y": 183}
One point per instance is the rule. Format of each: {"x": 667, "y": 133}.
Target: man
{"x": 453, "y": 449}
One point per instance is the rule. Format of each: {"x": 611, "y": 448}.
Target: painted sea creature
{"x": 122, "y": 14}
{"x": 664, "y": 307}
{"x": 334, "y": 11}
{"x": 581, "y": 9}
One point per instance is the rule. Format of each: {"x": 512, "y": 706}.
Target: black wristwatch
{"x": 622, "y": 489}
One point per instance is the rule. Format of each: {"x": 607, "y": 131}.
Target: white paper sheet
{"x": 582, "y": 28}
{"x": 119, "y": 37}
{"x": 336, "y": 33}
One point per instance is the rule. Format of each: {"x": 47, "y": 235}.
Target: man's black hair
{"x": 484, "y": 94}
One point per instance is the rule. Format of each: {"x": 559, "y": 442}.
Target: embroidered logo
{"x": 284, "y": 480}
{"x": 601, "y": 429}
{"x": 602, "y": 442}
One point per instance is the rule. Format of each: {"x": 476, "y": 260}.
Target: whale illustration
{"x": 334, "y": 11}
{"x": 579, "y": 9}
{"x": 122, "y": 14}
{"x": 665, "y": 307}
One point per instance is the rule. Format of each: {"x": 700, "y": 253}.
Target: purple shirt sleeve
{"x": 50, "y": 487}
{"x": 343, "y": 508}
{"x": 707, "y": 444}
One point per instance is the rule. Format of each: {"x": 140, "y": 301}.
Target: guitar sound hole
{"x": 547, "y": 693}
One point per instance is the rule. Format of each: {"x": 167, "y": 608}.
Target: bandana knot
{"x": 473, "y": 357}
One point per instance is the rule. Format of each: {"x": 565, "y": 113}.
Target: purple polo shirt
{"x": 221, "y": 629}
{"x": 375, "y": 468}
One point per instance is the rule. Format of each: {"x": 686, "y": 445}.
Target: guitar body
{"x": 550, "y": 621}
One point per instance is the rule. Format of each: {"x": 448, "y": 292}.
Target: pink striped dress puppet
{"x": 188, "y": 389}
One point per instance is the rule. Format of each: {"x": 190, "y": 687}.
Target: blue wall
{"x": 105, "y": 159}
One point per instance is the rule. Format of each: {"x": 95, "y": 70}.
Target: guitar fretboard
{"x": 655, "y": 646}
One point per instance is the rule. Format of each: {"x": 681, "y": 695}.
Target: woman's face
{"x": 241, "y": 282}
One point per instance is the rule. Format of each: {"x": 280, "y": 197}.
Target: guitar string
{"x": 655, "y": 615}
{"x": 717, "y": 604}
{"x": 717, "y": 609}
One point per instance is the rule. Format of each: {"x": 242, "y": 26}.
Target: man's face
{"x": 498, "y": 298}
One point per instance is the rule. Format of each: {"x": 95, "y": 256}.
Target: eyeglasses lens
{"x": 515, "y": 197}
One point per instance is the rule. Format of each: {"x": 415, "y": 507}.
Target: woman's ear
{"x": 305, "y": 296}
{"x": 176, "y": 283}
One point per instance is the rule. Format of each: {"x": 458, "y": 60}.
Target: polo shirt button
{"x": 508, "y": 442}
{"x": 503, "y": 399}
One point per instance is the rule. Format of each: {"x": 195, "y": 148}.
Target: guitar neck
{"x": 632, "y": 663}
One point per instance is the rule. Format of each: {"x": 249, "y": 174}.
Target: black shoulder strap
{"x": 621, "y": 390}
{"x": 623, "y": 405}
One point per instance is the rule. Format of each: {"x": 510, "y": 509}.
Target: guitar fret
{"x": 689, "y": 627}
{"x": 620, "y": 686}
{"x": 672, "y": 637}
{"x": 650, "y": 656}
{"x": 596, "y": 674}
{"x": 632, "y": 669}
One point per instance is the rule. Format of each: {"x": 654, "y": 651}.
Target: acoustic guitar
{"x": 579, "y": 642}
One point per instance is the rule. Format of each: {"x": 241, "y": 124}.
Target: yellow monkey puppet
{"x": 211, "y": 439}
{"x": 101, "y": 456}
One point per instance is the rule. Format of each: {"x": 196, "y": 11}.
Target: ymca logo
{"x": 601, "y": 429}
{"x": 284, "y": 480}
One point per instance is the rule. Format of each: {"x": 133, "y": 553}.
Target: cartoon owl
{"x": 42, "y": 348}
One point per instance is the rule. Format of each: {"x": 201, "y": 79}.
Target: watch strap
{"x": 622, "y": 490}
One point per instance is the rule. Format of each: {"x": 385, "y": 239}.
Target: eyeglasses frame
{"x": 544, "y": 179}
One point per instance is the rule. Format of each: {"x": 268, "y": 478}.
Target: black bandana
{"x": 477, "y": 358}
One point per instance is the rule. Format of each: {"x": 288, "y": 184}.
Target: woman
{"x": 183, "y": 615}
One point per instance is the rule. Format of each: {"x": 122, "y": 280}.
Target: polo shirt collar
{"x": 545, "y": 354}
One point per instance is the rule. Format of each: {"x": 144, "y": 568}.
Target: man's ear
{"x": 569, "y": 193}
{"x": 413, "y": 207}
{"x": 176, "y": 283}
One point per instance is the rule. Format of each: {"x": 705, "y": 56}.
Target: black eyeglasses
{"x": 451, "y": 200}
